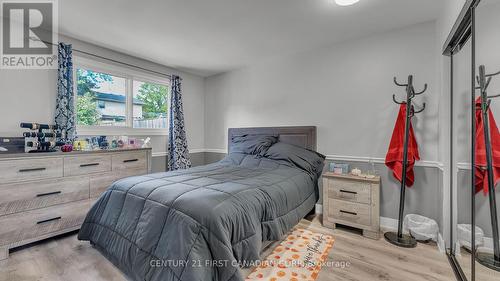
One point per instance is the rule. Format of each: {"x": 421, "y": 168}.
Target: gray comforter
{"x": 198, "y": 224}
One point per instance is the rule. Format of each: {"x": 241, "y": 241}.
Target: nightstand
{"x": 353, "y": 201}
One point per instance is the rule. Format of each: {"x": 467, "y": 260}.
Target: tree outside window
{"x": 155, "y": 105}
{"x": 102, "y": 101}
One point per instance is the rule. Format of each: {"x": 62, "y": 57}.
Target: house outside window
{"x": 114, "y": 100}
{"x": 101, "y": 104}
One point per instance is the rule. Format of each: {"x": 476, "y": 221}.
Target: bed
{"x": 207, "y": 222}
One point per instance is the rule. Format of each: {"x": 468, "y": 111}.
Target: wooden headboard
{"x": 303, "y": 136}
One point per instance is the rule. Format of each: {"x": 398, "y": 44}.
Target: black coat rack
{"x": 399, "y": 238}
{"x": 489, "y": 260}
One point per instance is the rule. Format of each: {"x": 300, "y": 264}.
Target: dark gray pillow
{"x": 291, "y": 155}
{"x": 252, "y": 144}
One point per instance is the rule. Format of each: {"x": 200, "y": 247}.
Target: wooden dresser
{"x": 352, "y": 201}
{"x": 43, "y": 195}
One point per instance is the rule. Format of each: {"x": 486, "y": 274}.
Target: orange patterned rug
{"x": 299, "y": 257}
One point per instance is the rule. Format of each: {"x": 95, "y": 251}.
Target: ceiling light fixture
{"x": 346, "y": 2}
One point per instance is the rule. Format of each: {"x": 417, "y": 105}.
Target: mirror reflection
{"x": 486, "y": 202}
{"x": 462, "y": 81}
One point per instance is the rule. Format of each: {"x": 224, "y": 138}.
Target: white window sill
{"x": 159, "y": 154}
{"x": 118, "y": 131}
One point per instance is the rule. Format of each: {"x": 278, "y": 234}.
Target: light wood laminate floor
{"x": 482, "y": 273}
{"x": 66, "y": 258}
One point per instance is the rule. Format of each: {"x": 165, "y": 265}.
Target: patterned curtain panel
{"x": 65, "y": 105}
{"x": 178, "y": 153}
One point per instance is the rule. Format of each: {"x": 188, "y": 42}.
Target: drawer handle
{"x": 48, "y": 194}
{"x": 349, "y": 213}
{"x": 89, "y": 165}
{"x": 131, "y": 160}
{"x": 49, "y": 220}
{"x": 347, "y": 191}
{"x": 32, "y": 170}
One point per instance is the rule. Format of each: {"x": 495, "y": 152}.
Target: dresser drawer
{"x": 84, "y": 165}
{"x": 129, "y": 160}
{"x": 99, "y": 184}
{"x": 32, "y": 224}
{"x": 39, "y": 194}
{"x": 359, "y": 192}
{"x": 30, "y": 169}
{"x": 350, "y": 212}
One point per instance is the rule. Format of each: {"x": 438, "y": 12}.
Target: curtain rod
{"x": 112, "y": 60}
{"x": 123, "y": 63}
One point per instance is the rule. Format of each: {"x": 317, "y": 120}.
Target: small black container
{"x": 13, "y": 145}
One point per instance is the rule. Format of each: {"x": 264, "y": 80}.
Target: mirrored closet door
{"x": 474, "y": 51}
{"x": 487, "y": 206}
{"x": 461, "y": 155}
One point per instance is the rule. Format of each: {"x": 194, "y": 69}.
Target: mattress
{"x": 202, "y": 223}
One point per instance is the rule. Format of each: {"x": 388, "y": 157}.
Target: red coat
{"x": 480, "y": 168}
{"x": 394, "y": 157}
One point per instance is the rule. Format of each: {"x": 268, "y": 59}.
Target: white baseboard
{"x": 388, "y": 224}
{"x": 319, "y": 209}
{"x": 441, "y": 244}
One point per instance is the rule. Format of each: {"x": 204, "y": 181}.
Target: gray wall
{"x": 212, "y": 157}
{"x": 345, "y": 90}
{"x": 159, "y": 163}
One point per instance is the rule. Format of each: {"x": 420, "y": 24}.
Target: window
{"x": 111, "y": 99}
{"x": 101, "y": 104}
{"x": 150, "y": 105}
{"x": 94, "y": 90}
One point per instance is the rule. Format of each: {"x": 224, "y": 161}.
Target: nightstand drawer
{"x": 350, "y": 191}
{"x": 350, "y": 212}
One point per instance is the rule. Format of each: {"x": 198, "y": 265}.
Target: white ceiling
{"x": 207, "y": 37}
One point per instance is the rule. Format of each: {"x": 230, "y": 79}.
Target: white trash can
{"x": 421, "y": 228}
{"x": 464, "y": 236}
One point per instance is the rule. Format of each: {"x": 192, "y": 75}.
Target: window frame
{"x": 129, "y": 75}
